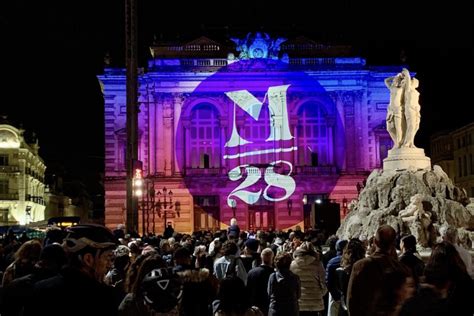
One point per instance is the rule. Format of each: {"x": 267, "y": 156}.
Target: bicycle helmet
{"x": 94, "y": 236}
{"x": 162, "y": 290}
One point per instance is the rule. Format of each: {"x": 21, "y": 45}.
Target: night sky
{"x": 52, "y": 51}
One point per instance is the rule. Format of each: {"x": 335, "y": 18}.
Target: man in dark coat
{"x": 364, "y": 294}
{"x": 257, "y": 281}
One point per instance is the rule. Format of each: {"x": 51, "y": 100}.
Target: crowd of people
{"x": 90, "y": 270}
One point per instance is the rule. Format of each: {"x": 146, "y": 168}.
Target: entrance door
{"x": 206, "y": 213}
{"x": 261, "y": 218}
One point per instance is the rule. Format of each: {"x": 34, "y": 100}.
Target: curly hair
{"x": 353, "y": 251}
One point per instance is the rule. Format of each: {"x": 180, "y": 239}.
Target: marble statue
{"x": 394, "y": 111}
{"x": 412, "y": 109}
{"x": 403, "y": 113}
{"x": 418, "y": 220}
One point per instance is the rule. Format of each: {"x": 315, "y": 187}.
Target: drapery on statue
{"x": 403, "y": 113}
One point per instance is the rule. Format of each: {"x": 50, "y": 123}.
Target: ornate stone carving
{"x": 258, "y": 45}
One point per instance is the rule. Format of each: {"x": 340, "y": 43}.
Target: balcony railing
{"x": 320, "y": 170}
{"x": 9, "y": 196}
{"x": 35, "y": 199}
{"x": 202, "y": 171}
{"x": 8, "y": 169}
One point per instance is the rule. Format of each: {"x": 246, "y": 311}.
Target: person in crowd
{"x": 147, "y": 294}
{"x": 365, "y": 294}
{"x": 119, "y": 232}
{"x": 331, "y": 279}
{"x": 233, "y": 300}
{"x": 410, "y": 257}
{"x": 230, "y": 264}
{"x": 446, "y": 288}
{"x": 20, "y": 291}
{"x": 25, "y": 259}
{"x": 450, "y": 234}
{"x": 199, "y": 287}
{"x": 90, "y": 253}
{"x": 169, "y": 231}
{"x": 284, "y": 288}
{"x": 257, "y": 281}
{"x": 213, "y": 256}
{"x": 117, "y": 276}
{"x": 234, "y": 230}
{"x": 332, "y": 252}
{"x": 132, "y": 271}
{"x": 250, "y": 256}
{"x": 277, "y": 245}
{"x": 307, "y": 266}
{"x": 353, "y": 252}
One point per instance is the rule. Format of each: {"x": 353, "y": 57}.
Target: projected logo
{"x": 253, "y": 125}
{"x": 278, "y": 186}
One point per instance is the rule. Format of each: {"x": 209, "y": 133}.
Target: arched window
{"x": 205, "y": 137}
{"x": 314, "y": 136}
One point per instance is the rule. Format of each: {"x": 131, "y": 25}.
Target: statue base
{"x": 406, "y": 158}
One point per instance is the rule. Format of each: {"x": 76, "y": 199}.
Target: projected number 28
{"x": 280, "y": 131}
{"x": 273, "y": 179}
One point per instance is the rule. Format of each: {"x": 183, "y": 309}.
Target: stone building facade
{"x": 454, "y": 151}
{"x": 21, "y": 179}
{"x": 259, "y": 129}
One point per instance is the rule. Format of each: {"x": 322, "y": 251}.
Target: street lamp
{"x": 166, "y": 204}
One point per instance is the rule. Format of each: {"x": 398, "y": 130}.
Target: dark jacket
{"x": 284, "y": 290}
{"x": 364, "y": 294}
{"x": 73, "y": 293}
{"x": 416, "y": 265}
{"x": 257, "y": 283}
{"x": 331, "y": 279}
{"x": 233, "y": 230}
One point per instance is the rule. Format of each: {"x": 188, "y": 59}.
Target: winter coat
{"x": 257, "y": 282}
{"x": 284, "y": 290}
{"x": 313, "y": 284}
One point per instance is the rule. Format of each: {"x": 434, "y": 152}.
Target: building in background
{"x": 262, "y": 129}
{"x": 453, "y": 151}
{"x": 21, "y": 178}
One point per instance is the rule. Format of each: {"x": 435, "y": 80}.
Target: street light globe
{"x": 138, "y": 192}
{"x": 138, "y": 182}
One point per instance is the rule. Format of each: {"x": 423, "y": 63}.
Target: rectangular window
{"x": 3, "y": 186}
{"x": 4, "y": 215}
{"x": 465, "y": 165}
{"x": 459, "y": 166}
{"x": 3, "y": 160}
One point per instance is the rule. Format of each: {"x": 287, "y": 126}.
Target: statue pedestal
{"x": 406, "y": 158}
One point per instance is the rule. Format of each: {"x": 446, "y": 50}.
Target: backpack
{"x": 162, "y": 290}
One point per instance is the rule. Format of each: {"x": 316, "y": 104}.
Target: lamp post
{"x": 165, "y": 203}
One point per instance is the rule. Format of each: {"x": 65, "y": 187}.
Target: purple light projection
{"x": 250, "y": 130}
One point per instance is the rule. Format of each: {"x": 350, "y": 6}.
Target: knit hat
{"x": 252, "y": 244}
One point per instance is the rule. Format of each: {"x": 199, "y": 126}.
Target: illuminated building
{"x": 454, "y": 152}
{"x": 258, "y": 128}
{"x": 21, "y": 179}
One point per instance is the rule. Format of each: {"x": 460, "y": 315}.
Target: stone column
{"x": 168, "y": 135}
{"x": 177, "y": 144}
{"x": 222, "y": 139}
{"x": 160, "y": 135}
